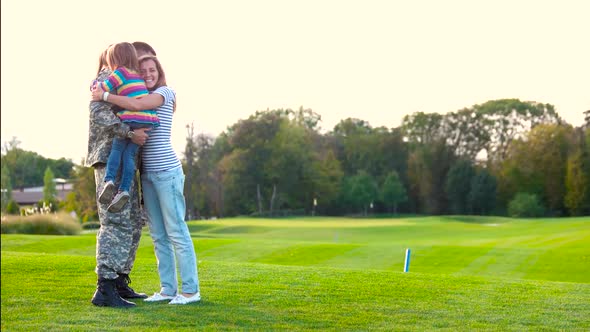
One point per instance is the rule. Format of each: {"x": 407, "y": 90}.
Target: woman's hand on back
{"x": 97, "y": 92}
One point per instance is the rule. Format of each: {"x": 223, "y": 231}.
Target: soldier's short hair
{"x": 145, "y": 48}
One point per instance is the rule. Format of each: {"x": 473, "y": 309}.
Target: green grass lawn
{"x": 466, "y": 273}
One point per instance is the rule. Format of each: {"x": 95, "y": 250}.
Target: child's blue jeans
{"x": 123, "y": 151}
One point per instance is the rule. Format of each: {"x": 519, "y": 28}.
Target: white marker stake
{"x": 407, "y": 264}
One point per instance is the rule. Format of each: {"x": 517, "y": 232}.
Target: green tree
{"x": 428, "y": 166}
{"x": 508, "y": 119}
{"x": 465, "y": 133}
{"x": 307, "y": 118}
{"x": 327, "y": 180}
{"x": 62, "y": 168}
{"x": 6, "y": 187}
{"x": 577, "y": 179}
{"x": 482, "y": 194}
{"x": 271, "y": 162}
{"x": 393, "y": 191}
{"x": 458, "y": 185}
{"x": 236, "y": 183}
{"x": 353, "y": 143}
{"x": 12, "y": 207}
{"x": 363, "y": 190}
{"x": 358, "y": 146}
{"x": 247, "y": 187}
{"x": 422, "y": 128}
{"x": 525, "y": 205}
{"x": 82, "y": 199}
{"x": 577, "y": 186}
{"x": 49, "y": 189}
{"x": 537, "y": 164}
{"x": 189, "y": 168}
{"x": 293, "y": 166}
{"x": 27, "y": 168}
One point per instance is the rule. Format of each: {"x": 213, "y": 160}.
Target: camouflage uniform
{"x": 119, "y": 234}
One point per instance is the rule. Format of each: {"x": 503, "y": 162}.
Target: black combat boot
{"x": 106, "y": 295}
{"x": 124, "y": 290}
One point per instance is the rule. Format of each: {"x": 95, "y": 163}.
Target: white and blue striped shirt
{"x": 158, "y": 154}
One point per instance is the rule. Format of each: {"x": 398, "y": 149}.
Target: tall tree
{"x": 353, "y": 144}
{"x": 189, "y": 161}
{"x": 82, "y": 199}
{"x": 577, "y": 185}
{"x": 290, "y": 166}
{"x": 427, "y": 172}
{"x": 422, "y": 128}
{"x": 510, "y": 119}
{"x": 458, "y": 185}
{"x": 6, "y": 187}
{"x": 466, "y": 133}
{"x": 577, "y": 179}
{"x": 327, "y": 180}
{"x": 482, "y": 194}
{"x": 393, "y": 191}
{"x": 49, "y": 190}
{"x": 249, "y": 147}
{"x": 363, "y": 190}
{"x": 537, "y": 164}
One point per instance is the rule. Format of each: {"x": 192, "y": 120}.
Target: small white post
{"x": 407, "y": 264}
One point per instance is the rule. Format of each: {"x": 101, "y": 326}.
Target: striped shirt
{"x": 158, "y": 154}
{"x": 127, "y": 82}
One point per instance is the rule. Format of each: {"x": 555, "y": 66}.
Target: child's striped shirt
{"x": 126, "y": 82}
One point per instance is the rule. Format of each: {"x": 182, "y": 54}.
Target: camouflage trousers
{"x": 118, "y": 238}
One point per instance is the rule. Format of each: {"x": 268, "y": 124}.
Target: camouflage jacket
{"x": 104, "y": 125}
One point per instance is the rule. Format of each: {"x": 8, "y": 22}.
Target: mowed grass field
{"x": 340, "y": 274}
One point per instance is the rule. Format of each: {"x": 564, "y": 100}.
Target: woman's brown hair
{"x": 161, "y": 75}
{"x": 102, "y": 60}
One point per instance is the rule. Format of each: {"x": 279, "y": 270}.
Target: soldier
{"x": 118, "y": 237}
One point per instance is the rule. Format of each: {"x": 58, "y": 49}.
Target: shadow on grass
{"x": 476, "y": 219}
{"x": 241, "y": 230}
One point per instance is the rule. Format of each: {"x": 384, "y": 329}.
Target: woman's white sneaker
{"x": 159, "y": 297}
{"x": 181, "y": 299}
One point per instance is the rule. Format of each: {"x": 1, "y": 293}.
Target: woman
{"x": 162, "y": 182}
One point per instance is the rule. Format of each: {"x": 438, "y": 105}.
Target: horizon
{"x": 376, "y": 61}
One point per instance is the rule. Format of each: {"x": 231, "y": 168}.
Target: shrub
{"x": 525, "y": 205}
{"x": 91, "y": 225}
{"x": 12, "y": 207}
{"x": 50, "y": 224}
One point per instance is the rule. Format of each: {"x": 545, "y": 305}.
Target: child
{"x": 125, "y": 81}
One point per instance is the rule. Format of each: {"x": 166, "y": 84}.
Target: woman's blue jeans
{"x": 125, "y": 151}
{"x": 165, "y": 205}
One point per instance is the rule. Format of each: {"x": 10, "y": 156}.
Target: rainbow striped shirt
{"x": 126, "y": 82}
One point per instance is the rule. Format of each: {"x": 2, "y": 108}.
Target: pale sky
{"x": 367, "y": 59}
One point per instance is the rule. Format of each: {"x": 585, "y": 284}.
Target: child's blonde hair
{"x": 122, "y": 55}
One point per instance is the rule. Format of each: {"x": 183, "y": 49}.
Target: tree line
{"x": 502, "y": 157}
{"x": 22, "y": 169}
